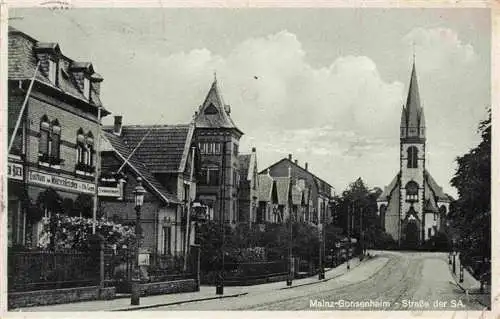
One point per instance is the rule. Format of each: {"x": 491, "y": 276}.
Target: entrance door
{"x": 412, "y": 235}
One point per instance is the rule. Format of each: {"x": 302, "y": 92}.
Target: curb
{"x": 319, "y": 281}
{"x": 457, "y": 283}
{"x": 132, "y": 308}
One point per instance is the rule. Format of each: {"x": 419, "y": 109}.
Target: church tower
{"x": 412, "y": 166}
{"x": 413, "y": 207}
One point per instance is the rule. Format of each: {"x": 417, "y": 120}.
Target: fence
{"x": 43, "y": 269}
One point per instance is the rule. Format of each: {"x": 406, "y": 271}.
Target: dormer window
{"x": 52, "y": 72}
{"x": 211, "y": 110}
{"x": 86, "y": 88}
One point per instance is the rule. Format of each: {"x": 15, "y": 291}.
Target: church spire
{"x": 413, "y": 101}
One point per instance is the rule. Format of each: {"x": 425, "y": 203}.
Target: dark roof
{"x": 22, "y": 64}
{"x": 140, "y": 168}
{"x": 165, "y": 148}
{"x": 436, "y": 189}
{"x": 283, "y": 189}
{"x": 217, "y": 115}
{"x": 388, "y": 189}
{"x": 265, "y": 187}
{"x": 298, "y": 166}
{"x": 411, "y": 116}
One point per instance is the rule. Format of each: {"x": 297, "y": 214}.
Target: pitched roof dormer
{"x": 214, "y": 113}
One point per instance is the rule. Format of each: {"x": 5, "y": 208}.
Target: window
{"x": 55, "y": 140}
{"x": 210, "y": 175}
{"x": 86, "y": 88}
{"x": 235, "y": 148}
{"x": 167, "y": 240}
{"x": 411, "y": 191}
{"x": 43, "y": 145}
{"x": 429, "y": 232}
{"x": 85, "y": 153}
{"x": 209, "y": 148}
{"x": 412, "y": 157}
{"x": 53, "y": 72}
{"x": 211, "y": 110}
{"x": 435, "y": 216}
{"x": 236, "y": 178}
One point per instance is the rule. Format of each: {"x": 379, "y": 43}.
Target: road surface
{"x": 390, "y": 281}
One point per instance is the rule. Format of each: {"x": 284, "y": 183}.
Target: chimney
{"x": 289, "y": 157}
{"x": 117, "y": 130}
{"x": 253, "y": 150}
{"x": 306, "y": 166}
{"x": 296, "y": 162}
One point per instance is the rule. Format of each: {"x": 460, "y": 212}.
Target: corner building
{"x": 217, "y": 138}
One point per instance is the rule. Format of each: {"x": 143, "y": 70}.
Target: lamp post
{"x": 139, "y": 192}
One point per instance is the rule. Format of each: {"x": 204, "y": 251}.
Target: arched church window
{"x": 411, "y": 191}
{"x": 412, "y": 157}
{"x": 210, "y": 110}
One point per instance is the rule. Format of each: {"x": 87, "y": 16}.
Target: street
{"x": 389, "y": 281}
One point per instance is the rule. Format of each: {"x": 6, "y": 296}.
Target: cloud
{"x": 439, "y": 49}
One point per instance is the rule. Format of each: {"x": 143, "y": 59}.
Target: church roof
{"x": 214, "y": 113}
{"x": 388, "y": 189}
{"x": 436, "y": 189}
{"x": 412, "y": 114}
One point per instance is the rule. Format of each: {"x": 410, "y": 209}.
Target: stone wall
{"x": 58, "y": 296}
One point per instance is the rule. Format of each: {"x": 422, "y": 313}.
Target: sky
{"x": 326, "y": 85}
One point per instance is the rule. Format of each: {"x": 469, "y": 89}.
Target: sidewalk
{"x": 205, "y": 293}
{"x": 470, "y": 285}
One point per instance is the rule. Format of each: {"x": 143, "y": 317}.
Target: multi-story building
{"x": 51, "y": 162}
{"x": 310, "y": 194}
{"x": 163, "y": 156}
{"x": 217, "y": 138}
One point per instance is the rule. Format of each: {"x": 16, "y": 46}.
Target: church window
{"x": 412, "y": 157}
{"x": 210, "y": 110}
{"x": 411, "y": 191}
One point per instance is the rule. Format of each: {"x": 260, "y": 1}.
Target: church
{"x": 413, "y": 207}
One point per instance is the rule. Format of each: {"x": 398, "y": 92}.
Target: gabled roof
{"x": 388, "y": 189}
{"x": 430, "y": 205}
{"x": 265, "y": 187}
{"x": 123, "y": 151}
{"x": 436, "y": 189}
{"x": 297, "y": 195}
{"x": 296, "y": 165}
{"x": 22, "y": 64}
{"x": 214, "y": 113}
{"x": 283, "y": 189}
{"x": 165, "y": 149}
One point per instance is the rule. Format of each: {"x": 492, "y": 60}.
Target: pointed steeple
{"x": 413, "y": 106}
{"x": 214, "y": 113}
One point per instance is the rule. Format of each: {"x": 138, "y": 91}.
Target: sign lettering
{"x": 61, "y": 182}
{"x": 15, "y": 171}
{"x": 109, "y": 191}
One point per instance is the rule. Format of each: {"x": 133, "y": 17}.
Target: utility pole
{"x": 290, "y": 241}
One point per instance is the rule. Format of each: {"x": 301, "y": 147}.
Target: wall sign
{"x": 15, "y": 171}
{"x": 60, "y": 182}
{"x": 109, "y": 191}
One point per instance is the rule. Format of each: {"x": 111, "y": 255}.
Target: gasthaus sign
{"x": 64, "y": 183}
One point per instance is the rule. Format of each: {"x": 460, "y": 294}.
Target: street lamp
{"x": 139, "y": 192}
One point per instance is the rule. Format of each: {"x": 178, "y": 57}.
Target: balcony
{"x": 84, "y": 169}
{"x": 46, "y": 160}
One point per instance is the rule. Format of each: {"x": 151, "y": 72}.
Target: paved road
{"x": 390, "y": 281}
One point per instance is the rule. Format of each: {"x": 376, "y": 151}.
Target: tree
{"x": 470, "y": 215}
